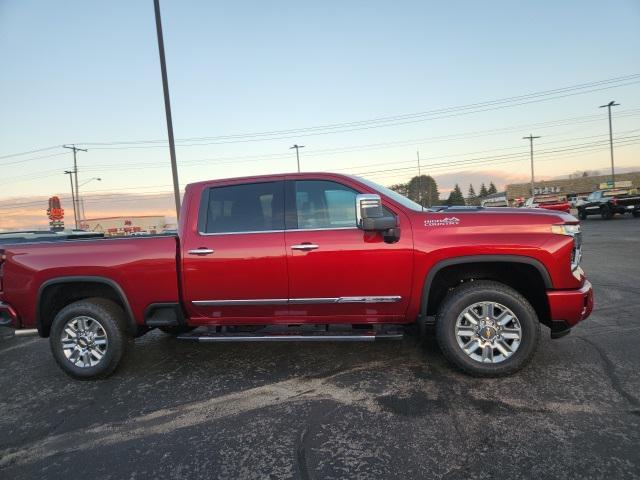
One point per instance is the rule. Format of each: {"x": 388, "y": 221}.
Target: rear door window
{"x": 252, "y": 207}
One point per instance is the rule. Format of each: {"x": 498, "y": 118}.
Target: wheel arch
{"x": 60, "y": 292}
{"x": 487, "y": 267}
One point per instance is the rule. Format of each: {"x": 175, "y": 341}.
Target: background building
{"x": 569, "y": 186}
{"x": 498, "y": 199}
{"x": 127, "y": 225}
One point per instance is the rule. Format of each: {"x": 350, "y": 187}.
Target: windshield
{"x": 387, "y": 192}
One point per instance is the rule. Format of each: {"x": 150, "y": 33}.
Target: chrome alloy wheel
{"x": 488, "y": 332}
{"x": 84, "y": 341}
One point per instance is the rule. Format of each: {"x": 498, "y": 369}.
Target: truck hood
{"x": 493, "y": 217}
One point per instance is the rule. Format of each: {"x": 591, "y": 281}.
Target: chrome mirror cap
{"x": 368, "y": 205}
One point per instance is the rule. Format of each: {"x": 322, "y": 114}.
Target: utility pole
{"x": 420, "y": 181}
{"x": 167, "y": 108}
{"x": 297, "y": 147}
{"x": 73, "y": 197}
{"x": 531, "y": 138}
{"x": 613, "y": 173}
{"x": 76, "y": 201}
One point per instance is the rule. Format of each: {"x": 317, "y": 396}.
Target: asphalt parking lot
{"x": 382, "y": 410}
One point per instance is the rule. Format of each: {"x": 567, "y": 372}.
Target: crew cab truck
{"x": 307, "y": 257}
{"x": 607, "y": 203}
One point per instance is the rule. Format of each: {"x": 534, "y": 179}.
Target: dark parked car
{"x": 607, "y": 203}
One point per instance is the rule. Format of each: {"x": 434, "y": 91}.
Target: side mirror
{"x": 370, "y": 217}
{"x": 368, "y": 205}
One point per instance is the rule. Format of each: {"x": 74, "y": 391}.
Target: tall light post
{"x": 84, "y": 216}
{"x": 167, "y": 108}
{"x": 73, "y": 197}
{"x": 297, "y": 147}
{"x": 420, "y": 181}
{"x": 612, "y": 103}
{"x": 531, "y": 138}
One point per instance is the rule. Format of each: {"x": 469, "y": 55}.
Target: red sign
{"x": 55, "y": 212}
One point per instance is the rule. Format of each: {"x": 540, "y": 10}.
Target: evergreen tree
{"x": 483, "y": 191}
{"x": 472, "y": 199}
{"x": 492, "y": 189}
{"x": 455, "y": 197}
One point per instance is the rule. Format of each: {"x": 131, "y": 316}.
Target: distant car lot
{"x": 383, "y": 410}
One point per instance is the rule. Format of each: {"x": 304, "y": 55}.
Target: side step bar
{"x": 292, "y": 336}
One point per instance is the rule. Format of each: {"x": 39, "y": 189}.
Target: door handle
{"x": 304, "y": 246}
{"x": 201, "y": 251}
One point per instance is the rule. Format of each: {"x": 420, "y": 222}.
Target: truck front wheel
{"x": 88, "y": 338}
{"x": 487, "y": 329}
{"x": 606, "y": 213}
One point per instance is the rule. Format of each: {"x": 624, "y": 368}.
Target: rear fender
{"x": 43, "y": 329}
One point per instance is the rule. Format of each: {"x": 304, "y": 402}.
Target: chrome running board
{"x": 293, "y": 335}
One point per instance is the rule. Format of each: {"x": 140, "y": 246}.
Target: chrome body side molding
{"x": 240, "y": 303}
{"x": 297, "y": 301}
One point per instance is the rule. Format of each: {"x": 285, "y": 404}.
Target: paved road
{"x": 384, "y": 410}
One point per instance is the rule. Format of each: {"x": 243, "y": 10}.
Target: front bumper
{"x": 569, "y": 307}
{"x": 8, "y": 316}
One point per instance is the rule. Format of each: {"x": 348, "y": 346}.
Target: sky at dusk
{"x": 362, "y": 84}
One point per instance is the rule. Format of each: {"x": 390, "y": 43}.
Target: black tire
{"x": 470, "y": 293}
{"x": 636, "y": 213}
{"x": 606, "y": 213}
{"x": 582, "y": 214}
{"x": 111, "y": 318}
{"x": 177, "y": 330}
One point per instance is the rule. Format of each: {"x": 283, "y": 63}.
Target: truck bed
{"x": 133, "y": 264}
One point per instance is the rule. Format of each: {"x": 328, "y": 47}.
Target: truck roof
{"x": 273, "y": 176}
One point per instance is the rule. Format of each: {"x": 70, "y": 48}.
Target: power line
{"x": 485, "y": 160}
{"x": 15, "y": 162}
{"x": 29, "y": 152}
{"x": 388, "y": 121}
{"x": 365, "y": 147}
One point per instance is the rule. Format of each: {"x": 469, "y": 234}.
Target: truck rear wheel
{"x": 582, "y": 214}
{"x": 88, "y": 338}
{"x": 487, "y": 329}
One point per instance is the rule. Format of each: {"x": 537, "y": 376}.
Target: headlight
{"x": 574, "y": 232}
{"x": 571, "y": 230}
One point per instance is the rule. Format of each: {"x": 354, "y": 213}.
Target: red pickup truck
{"x": 306, "y": 257}
{"x": 549, "y": 203}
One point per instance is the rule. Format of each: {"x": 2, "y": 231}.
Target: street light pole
{"x": 84, "y": 215}
{"x": 73, "y": 197}
{"x": 613, "y": 173}
{"x": 297, "y": 147}
{"x": 531, "y": 138}
{"x": 167, "y": 108}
